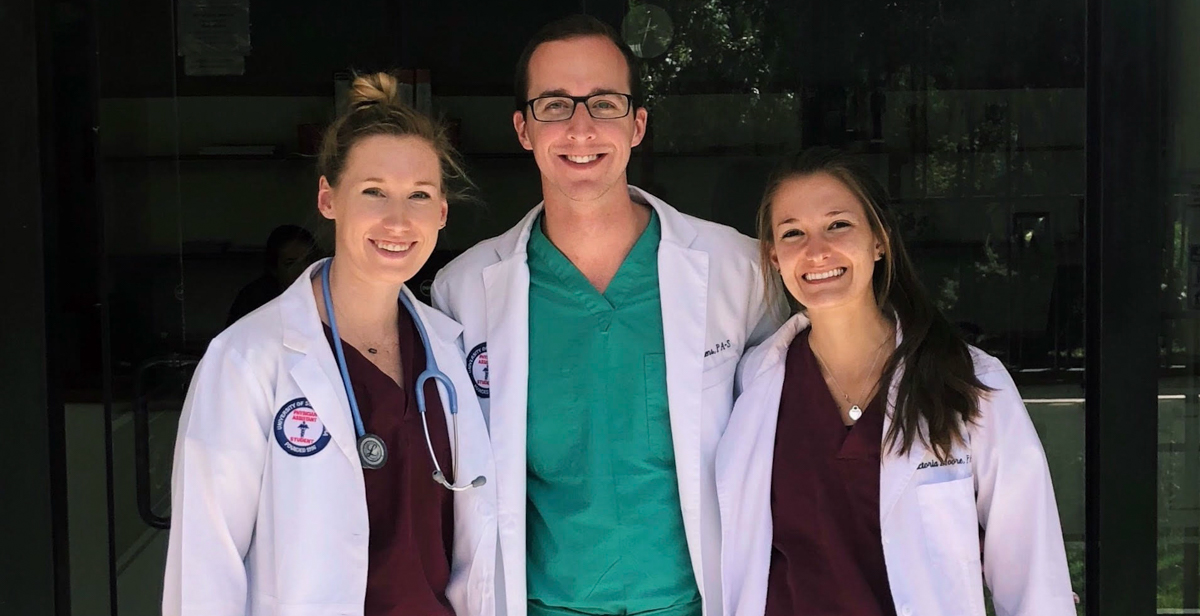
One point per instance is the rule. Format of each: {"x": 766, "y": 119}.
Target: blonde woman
{"x": 325, "y": 464}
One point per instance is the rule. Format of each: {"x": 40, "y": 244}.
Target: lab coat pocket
{"x": 262, "y": 604}
{"x": 658, "y": 416}
{"x": 720, "y": 374}
{"x": 481, "y": 589}
{"x": 322, "y": 609}
{"x": 951, "y": 529}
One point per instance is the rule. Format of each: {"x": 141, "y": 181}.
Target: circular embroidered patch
{"x": 477, "y": 366}
{"x": 298, "y": 430}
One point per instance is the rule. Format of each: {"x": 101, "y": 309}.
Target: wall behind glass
{"x": 973, "y": 116}
{"x": 972, "y": 113}
{"x": 1179, "y": 386}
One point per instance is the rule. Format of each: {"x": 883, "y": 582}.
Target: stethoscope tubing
{"x": 431, "y": 372}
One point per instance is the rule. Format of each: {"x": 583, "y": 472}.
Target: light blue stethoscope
{"x": 372, "y": 451}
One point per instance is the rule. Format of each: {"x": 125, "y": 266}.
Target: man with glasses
{"x": 603, "y": 332}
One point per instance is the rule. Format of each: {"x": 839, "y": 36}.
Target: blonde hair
{"x": 376, "y": 109}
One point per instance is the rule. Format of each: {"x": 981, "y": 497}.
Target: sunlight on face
{"x": 823, "y": 243}
{"x": 388, "y": 207}
{"x": 582, "y": 158}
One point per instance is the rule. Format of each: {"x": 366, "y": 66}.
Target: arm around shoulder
{"x": 439, "y": 295}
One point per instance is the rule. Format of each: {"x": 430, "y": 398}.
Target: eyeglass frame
{"x": 582, "y": 100}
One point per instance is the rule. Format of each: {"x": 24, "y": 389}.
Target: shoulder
{"x": 461, "y": 280}
{"x": 723, "y": 243}
{"x": 989, "y": 370}
{"x": 1001, "y": 407}
{"x": 472, "y": 261}
{"x": 255, "y": 335}
{"x": 466, "y": 269}
{"x": 751, "y": 366}
{"x": 772, "y": 352}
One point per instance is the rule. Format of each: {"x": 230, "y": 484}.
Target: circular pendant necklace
{"x": 855, "y": 413}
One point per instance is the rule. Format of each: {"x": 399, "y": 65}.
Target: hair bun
{"x": 373, "y": 89}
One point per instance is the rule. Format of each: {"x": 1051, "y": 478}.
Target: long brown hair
{"x": 938, "y": 382}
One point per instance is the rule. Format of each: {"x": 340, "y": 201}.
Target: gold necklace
{"x": 855, "y": 411}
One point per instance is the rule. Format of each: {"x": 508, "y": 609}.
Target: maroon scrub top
{"x": 411, "y": 517}
{"x": 826, "y": 553}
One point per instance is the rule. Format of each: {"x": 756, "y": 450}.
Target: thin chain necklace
{"x": 855, "y": 411}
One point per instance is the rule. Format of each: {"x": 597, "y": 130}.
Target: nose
{"x": 816, "y": 248}
{"x": 397, "y": 218}
{"x": 581, "y": 125}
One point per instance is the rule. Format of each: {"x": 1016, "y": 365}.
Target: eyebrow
{"x": 827, "y": 215}
{"x": 382, "y": 181}
{"x": 562, "y": 92}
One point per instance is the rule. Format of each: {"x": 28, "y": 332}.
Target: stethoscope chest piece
{"x": 372, "y": 452}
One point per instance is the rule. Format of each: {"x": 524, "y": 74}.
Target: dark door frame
{"x": 33, "y": 510}
{"x": 1124, "y": 226}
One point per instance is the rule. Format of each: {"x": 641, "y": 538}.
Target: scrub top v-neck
{"x": 604, "y": 526}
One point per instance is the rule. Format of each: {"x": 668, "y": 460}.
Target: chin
{"x": 394, "y": 273}
{"x": 837, "y": 301}
{"x": 588, "y": 191}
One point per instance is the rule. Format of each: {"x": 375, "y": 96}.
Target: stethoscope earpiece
{"x": 477, "y": 482}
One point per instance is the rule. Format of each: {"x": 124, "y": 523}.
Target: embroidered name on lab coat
{"x": 951, "y": 462}
{"x": 718, "y": 347}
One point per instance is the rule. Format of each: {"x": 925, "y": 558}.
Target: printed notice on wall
{"x": 214, "y": 36}
{"x": 201, "y": 65}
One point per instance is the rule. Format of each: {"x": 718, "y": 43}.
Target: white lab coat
{"x": 930, "y": 513}
{"x": 712, "y": 306}
{"x": 258, "y": 531}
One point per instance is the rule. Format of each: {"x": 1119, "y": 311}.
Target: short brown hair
{"x": 567, "y": 28}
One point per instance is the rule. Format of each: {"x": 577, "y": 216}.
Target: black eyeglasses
{"x": 607, "y": 106}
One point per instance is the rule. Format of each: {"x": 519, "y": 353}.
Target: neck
{"x": 573, "y": 223}
{"x": 596, "y": 236}
{"x": 850, "y": 336}
{"x": 360, "y": 304}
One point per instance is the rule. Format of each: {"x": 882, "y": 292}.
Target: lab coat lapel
{"x": 506, "y": 290}
{"x": 895, "y": 471}
{"x": 683, "y": 290}
{"x": 314, "y": 376}
{"x": 317, "y": 374}
{"x": 506, "y": 297}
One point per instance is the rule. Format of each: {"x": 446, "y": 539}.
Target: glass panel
{"x": 1179, "y": 385}
{"x": 972, "y": 115}
{"x": 142, "y": 206}
{"x": 138, "y": 216}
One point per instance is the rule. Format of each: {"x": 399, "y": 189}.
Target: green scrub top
{"x": 604, "y": 526}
